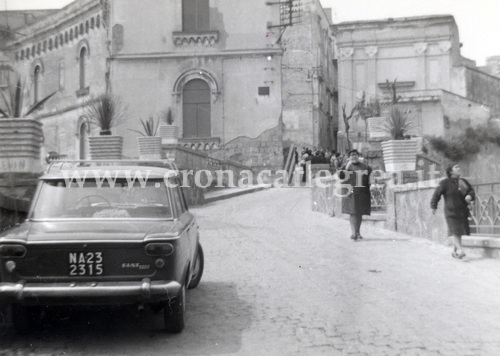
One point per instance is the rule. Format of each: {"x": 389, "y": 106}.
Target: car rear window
{"x": 120, "y": 199}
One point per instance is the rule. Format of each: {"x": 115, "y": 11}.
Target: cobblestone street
{"x": 282, "y": 280}
{"x": 309, "y": 289}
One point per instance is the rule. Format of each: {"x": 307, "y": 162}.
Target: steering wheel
{"x": 88, "y": 198}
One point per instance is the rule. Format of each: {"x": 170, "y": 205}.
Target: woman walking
{"x": 357, "y": 201}
{"x": 457, "y": 193}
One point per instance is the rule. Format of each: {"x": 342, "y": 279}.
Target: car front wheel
{"x": 174, "y": 310}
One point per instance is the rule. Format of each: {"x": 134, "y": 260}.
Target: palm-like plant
{"x": 13, "y": 101}
{"x": 149, "y": 127}
{"x": 106, "y": 111}
{"x": 397, "y": 125}
{"x": 167, "y": 116}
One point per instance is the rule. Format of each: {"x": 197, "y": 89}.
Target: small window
{"x": 98, "y": 21}
{"x": 81, "y": 29}
{"x": 50, "y": 44}
{"x": 86, "y": 27}
{"x": 92, "y": 23}
{"x": 195, "y": 15}
{"x": 264, "y": 91}
{"x": 36, "y": 83}
{"x": 22, "y": 54}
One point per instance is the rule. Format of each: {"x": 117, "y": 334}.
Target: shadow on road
{"x": 215, "y": 320}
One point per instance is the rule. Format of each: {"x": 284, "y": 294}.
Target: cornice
{"x": 55, "y": 23}
{"x": 380, "y": 42}
{"x": 235, "y": 53}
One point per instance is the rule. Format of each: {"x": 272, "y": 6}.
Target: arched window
{"x": 50, "y": 44}
{"x": 98, "y": 21}
{"x": 196, "y": 109}
{"x": 92, "y": 23}
{"x": 22, "y": 54}
{"x": 36, "y": 83}
{"x": 83, "y": 134}
{"x": 87, "y": 26}
{"x": 83, "y": 55}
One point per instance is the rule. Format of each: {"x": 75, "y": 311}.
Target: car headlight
{"x": 11, "y": 251}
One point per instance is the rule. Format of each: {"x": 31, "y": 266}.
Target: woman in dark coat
{"x": 357, "y": 202}
{"x": 457, "y": 193}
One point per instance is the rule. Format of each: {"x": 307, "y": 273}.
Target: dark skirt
{"x": 458, "y": 226}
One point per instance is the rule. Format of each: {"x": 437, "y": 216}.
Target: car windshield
{"x": 121, "y": 199}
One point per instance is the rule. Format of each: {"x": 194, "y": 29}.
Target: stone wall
{"x": 408, "y": 211}
{"x": 263, "y": 152}
{"x": 323, "y": 198}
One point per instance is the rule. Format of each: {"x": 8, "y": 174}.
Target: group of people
{"x": 456, "y": 191}
{"x": 333, "y": 158}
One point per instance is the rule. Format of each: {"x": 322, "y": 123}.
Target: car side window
{"x": 177, "y": 199}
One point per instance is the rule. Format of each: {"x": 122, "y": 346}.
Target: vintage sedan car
{"x": 102, "y": 235}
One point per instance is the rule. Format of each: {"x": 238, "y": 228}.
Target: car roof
{"x": 152, "y": 170}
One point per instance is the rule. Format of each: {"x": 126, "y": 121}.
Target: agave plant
{"x": 397, "y": 125}
{"x": 106, "y": 111}
{"x": 167, "y": 116}
{"x": 149, "y": 126}
{"x": 14, "y": 101}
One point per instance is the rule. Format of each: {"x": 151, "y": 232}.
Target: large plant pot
{"x": 149, "y": 147}
{"x": 106, "y": 147}
{"x": 169, "y": 134}
{"x": 400, "y": 155}
{"x": 21, "y": 142}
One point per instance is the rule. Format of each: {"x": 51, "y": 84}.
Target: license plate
{"x": 85, "y": 263}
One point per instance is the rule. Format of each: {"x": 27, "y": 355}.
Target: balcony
{"x": 205, "y": 38}
{"x": 200, "y": 144}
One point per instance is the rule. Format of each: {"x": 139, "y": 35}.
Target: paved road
{"x": 282, "y": 280}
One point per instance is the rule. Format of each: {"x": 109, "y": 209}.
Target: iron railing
{"x": 485, "y": 210}
{"x": 378, "y": 200}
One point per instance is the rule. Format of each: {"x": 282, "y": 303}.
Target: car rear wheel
{"x": 199, "y": 264}
{"x": 174, "y": 310}
{"x": 25, "y": 318}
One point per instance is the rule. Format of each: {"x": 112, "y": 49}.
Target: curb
{"x": 230, "y": 193}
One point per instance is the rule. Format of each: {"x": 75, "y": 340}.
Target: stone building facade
{"x": 442, "y": 90}
{"x": 224, "y": 68}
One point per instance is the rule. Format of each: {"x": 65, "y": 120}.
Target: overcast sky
{"x": 478, "y": 20}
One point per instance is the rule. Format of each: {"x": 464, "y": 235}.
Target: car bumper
{"x": 89, "y": 292}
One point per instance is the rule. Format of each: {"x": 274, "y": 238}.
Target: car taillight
{"x": 10, "y": 251}
{"x": 159, "y": 249}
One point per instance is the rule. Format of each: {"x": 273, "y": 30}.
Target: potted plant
{"x": 21, "y": 135}
{"x": 369, "y": 112}
{"x": 148, "y": 143}
{"x": 106, "y": 112}
{"x": 400, "y": 152}
{"x": 169, "y": 133}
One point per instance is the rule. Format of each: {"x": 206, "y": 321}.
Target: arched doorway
{"x": 196, "y": 109}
